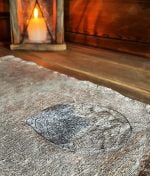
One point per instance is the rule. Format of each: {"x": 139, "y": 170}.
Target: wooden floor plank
{"x": 112, "y": 71}
{"x": 128, "y": 74}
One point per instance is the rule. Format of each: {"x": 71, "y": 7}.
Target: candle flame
{"x": 36, "y": 13}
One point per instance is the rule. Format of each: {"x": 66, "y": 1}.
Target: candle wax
{"x": 37, "y": 30}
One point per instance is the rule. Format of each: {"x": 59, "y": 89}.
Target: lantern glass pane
{"x": 47, "y": 11}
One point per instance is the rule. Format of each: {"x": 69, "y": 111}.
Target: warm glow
{"x": 37, "y": 30}
{"x": 36, "y": 13}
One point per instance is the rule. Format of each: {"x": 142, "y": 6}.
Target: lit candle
{"x": 37, "y": 30}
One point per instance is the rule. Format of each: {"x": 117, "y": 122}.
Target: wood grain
{"x": 125, "y": 21}
{"x": 4, "y": 21}
{"x": 128, "y": 74}
{"x": 38, "y": 47}
{"x": 137, "y": 48}
{"x": 15, "y": 30}
{"x": 4, "y": 29}
{"x": 60, "y": 22}
{"x": 4, "y": 5}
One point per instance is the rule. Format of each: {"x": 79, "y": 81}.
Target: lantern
{"x": 37, "y": 25}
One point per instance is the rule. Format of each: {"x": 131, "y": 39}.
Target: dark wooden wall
{"x": 4, "y": 21}
{"x": 121, "y": 24}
